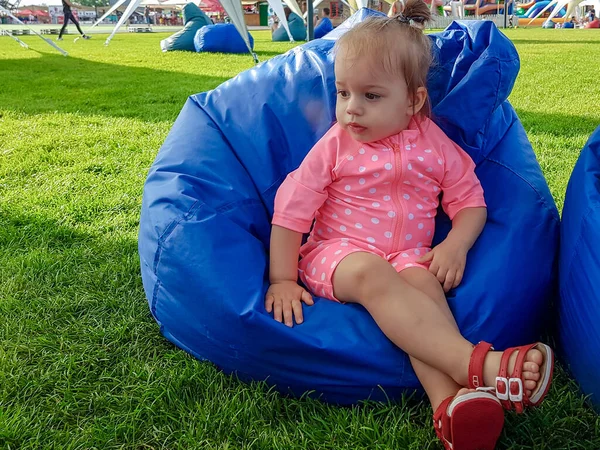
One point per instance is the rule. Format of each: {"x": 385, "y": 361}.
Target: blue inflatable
{"x": 324, "y": 27}
{"x": 297, "y": 29}
{"x": 568, "y": 25}
{"x": 579, "y": 307}
{"x": 221, "y": 38}
{"x": 194, "y": 19}
{"x": 208, "y": 201}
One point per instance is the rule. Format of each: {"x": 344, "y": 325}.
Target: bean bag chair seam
{"x": 553, "y": 212}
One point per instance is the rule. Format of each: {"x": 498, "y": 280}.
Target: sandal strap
{"x": 510, "y": 390}
{"x": 441, "y": 423}
{"x": 476, "y": 364}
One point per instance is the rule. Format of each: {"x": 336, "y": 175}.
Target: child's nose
{"x": 354, "y": 107}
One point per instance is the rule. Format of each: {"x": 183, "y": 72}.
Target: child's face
{"x": 371, "y": 104}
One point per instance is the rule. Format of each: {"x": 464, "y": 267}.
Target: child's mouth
{"x": 356, "y": 128}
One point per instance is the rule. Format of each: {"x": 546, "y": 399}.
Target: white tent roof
{"x": 40, "y": 3}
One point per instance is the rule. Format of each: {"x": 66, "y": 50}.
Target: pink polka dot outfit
{"x": 378, "y": 197}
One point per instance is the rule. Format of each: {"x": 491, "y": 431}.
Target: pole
{"x": 311, "y": 18}
{"x": 506, "y": 2}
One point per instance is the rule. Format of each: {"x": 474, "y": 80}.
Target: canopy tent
{"x": 278, "y": 10}
{"x": 233, "y": 8}
{"x": 23, "y": 44}
{"x": 211, "y": 6}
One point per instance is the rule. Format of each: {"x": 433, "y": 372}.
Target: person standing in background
{"x": 68, "y": 14}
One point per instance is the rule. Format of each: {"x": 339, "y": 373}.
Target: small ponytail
{"x": 415, "y": 13}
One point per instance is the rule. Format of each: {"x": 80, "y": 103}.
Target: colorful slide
{"x": 481, "y": 7}
{"x": 534, "y": 10}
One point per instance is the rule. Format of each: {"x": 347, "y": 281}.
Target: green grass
{"x": 82, "y": 363}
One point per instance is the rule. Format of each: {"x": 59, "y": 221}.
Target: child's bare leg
{"x": 437, "y": 384}
{"x": 406, "y": 315}
{"x": 415, "y": 323}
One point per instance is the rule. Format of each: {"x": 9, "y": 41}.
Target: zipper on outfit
{"x": 396, "y": 149}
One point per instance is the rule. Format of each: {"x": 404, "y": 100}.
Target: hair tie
{"x": 402, "y": 19}
{"x": 416, "y": 22}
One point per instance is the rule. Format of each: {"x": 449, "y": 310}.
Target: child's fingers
{"x": 278, "y": 310}
{"x": 288, "y": 316}
{"x": 307, "y": 298}
{"x": 426, "y": 257}
{"x": 269, "y": 300}
{"x": 449, "y": 282}
{"x": 458, "y": 278}
{"x": 297, "y": 308}
{"x": 441, "y": 275}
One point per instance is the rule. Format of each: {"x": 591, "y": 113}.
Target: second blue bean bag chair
{"x": 221, "y": 38}
{"x": 208, "y": 201}
{"x": 297, "y": 29}
{"x": 324, "y": 27}
{"x": 579, "y": 307}
{"x": 194, "y": 19}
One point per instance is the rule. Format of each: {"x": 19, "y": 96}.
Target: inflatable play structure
{"x": 579, "y": 306}
{"x": 194, "y": 19}
{"x": 532, "y": 9}
{"x": 482, "y": 7}
{"x": 208, "y": 202}
{"x": 560, "y": 8}
{"x": 222, "y": 38}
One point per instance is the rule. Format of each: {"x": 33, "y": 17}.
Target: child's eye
{"x": 372, "y": 96}
{"x": 343, "y": 94}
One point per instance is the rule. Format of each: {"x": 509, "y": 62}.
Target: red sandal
{"x": 472, "y": 421}
{"x": 510, "y": 389}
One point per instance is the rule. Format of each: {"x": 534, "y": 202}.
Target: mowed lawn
{"x": 82, "y": 363}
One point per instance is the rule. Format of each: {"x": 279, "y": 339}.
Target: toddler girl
{"x": 372, "y": 186}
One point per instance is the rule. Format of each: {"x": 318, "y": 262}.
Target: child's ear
{"x": 418, "y": 101}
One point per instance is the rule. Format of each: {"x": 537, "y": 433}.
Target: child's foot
{"x": 85, "y": 36}
{"x": 519, "y": 376}
{"x": 59, "y": 39}
{"x": 530, "y": 368}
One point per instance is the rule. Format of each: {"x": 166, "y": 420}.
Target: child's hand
{"x": 448, "y": 260}
{"x": 284, "y": 299}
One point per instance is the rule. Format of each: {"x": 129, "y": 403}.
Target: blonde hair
{"x": 396, "y": 45}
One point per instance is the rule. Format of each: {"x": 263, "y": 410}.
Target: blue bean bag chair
{"x": 297, "y": 29}
{"x": 568, "y": 25}
{"x": 324, "y": 27}
{"x": 194, "y": 19}
{"x": 221, "y": 38}
{"x": 208, "y": 202}
{"x": 579, "y": 306}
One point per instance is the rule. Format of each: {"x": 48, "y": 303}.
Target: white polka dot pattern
{"x": 383, "y": 197}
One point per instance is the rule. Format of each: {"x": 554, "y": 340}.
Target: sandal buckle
{"x": 518, "y": 397}
{"x": 502, "y": 391}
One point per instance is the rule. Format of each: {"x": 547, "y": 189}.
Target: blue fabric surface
{"x": 324, "y": 27}
{"x": 222, "y": 38}
{"x": 297, "y": 29}
{"x": 194, "y": 19}
{"x": 208, "y": 201}
{"x": 579, "y": 307}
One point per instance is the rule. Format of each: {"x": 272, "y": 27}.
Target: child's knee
{"x": 362, "y": 276}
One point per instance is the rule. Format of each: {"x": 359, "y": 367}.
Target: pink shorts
{"x": 319, "y": 261}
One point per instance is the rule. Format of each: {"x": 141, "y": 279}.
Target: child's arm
{"x": 464, "y": 203}
{"x": 467, "y": 225}
{"x": 298, "y": 198}
{"x": 449, "y": 258}
{"x": 285, "y": 294}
